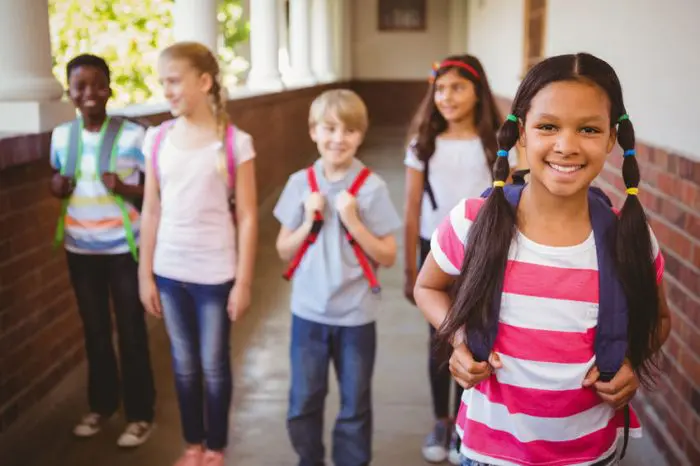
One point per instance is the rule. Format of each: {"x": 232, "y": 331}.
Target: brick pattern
{"x": 40, "y": 334}
{"x": 670, "y": 193}
{"x": 41, "y": 337}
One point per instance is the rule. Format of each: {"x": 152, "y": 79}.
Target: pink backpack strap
{"x": 230, "y": 156}
{"x": 157, "y": 141}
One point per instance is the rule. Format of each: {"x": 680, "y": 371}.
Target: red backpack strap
{"x": 315, "y": 228}
{"x": 230, "y": 155}
{"x": 362, "y": 258}
{"x": 359, "y": 181}
{"x": 157, "y": 141}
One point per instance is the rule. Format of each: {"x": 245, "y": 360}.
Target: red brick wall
{"x": 40, "y": 334}
{"x": 40, "y": 331}
{"x": 670, "y": 192}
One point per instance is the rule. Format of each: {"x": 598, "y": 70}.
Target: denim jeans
{"x": 95, "y": 277}
{"x": 199, "y": 328}
{"x": 352, "y": 351}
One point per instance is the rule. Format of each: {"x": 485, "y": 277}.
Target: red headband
{"x": 459, "y": 64}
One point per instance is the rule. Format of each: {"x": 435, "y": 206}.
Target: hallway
{"x": 260, "y": 352}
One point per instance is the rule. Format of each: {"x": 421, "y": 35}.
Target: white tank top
{"x": 196, "y": 241}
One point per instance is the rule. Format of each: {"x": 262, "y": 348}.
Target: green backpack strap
{"x": 107, "y": 161}
{"x": 70, "y": 169}
{"x": 109, "y": 152}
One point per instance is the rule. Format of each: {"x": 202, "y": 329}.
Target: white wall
{"x": 653, "y": 46}
{"x": 397, "y": 55}
{"x": 495, "y": 36}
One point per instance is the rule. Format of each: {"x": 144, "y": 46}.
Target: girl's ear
{"x": 206, "y": 81}
{"x": 521, "y": 133}
{"x": 613, "y": 138}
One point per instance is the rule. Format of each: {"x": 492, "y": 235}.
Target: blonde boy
{"x": 333, "y": 308}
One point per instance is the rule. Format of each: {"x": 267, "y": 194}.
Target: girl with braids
{"x": 532, "y": 282}
{"x": 191, "y": 270}
{"x": 453, "y": 145}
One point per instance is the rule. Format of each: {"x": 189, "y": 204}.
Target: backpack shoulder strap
{"x": 427, "y": 187}
{"x": 513, "y": 193}
{"x": 161, "y": 131}
{"x": 359, "y": 181}
{"x": 230, "y": 155}
{"x": 611, "y": 334}
{"x": 74, "y": 135}
{"x": 109, "y": 143}
{"x": 311, "y": 179}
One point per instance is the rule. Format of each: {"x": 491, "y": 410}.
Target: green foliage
{"x": 129, "y": 34}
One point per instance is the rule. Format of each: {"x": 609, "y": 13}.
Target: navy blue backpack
{"x": 611, "y": 332}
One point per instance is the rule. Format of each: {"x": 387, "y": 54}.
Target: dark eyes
{"x": 551, "y": 128}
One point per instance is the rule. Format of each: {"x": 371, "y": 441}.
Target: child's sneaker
{"x": 88, "y": 426}
{"x": 135, "y": 434}
{"x": 191, "y": 457}
{"x": 454, "y": 457}
{"x": 213, "y": 458}
{"x": 436, "y": 443}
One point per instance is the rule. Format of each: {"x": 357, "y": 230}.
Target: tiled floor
{"x": 260, "y": 348}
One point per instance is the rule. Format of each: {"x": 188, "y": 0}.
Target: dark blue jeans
{"x": 352, "y": 351}
{"x": 96, "y": 277}
{"x": 199, "y": 328}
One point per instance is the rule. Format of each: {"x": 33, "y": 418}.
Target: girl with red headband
{"x": 449, "y": 157}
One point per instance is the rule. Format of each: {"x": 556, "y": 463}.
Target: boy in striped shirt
{"x": 99, "y": 227}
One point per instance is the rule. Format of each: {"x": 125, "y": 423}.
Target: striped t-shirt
{"x": 534, "y": 410}
{"x": 94, "y": 222}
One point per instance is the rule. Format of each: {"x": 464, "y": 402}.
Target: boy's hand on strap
{"x": 346, "y": 204}
{"x": 113, "y": 183}
{"x": 620, "y": 390}
{"x": 238, "y": 301}
{"x": 62, "y": 186}
{"x": 314, "y": 203}
{"x": 466, "y": 371}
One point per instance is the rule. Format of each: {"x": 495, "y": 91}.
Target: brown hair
{"x": 428, "y": 122}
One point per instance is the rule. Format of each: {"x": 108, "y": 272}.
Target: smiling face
{"x": 88, "y": 88}
{"x": 336, "y": 142}
{"x": 455, "y": 96}
{"x": 567, "y": 136}
{"x": 184, "y": 87}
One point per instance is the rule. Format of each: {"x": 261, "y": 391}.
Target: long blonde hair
{"x": 204, "y": 61}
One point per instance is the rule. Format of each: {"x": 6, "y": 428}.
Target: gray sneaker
{"x": 437, "y": 443}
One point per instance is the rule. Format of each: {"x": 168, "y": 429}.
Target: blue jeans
{"x": 352, "y": 351}
{"x": 199, "y": 328}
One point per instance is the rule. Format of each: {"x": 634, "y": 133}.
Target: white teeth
{"x": 565, "y": 168}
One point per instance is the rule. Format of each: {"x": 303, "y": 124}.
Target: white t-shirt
{"x": 196, "y": 239}
{"x": 458, "y": 170}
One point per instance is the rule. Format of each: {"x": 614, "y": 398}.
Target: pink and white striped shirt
{"x": 534, "y": 411}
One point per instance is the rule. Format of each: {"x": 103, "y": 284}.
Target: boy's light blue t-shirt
{"x": 329, "y": 286}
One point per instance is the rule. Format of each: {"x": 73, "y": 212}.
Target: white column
{"x": 30, "y": 95}
{"x": 323, "y": 41}
{"x": 196, "y": 20}
{"x": 264, "y": 46}
{"x": 458, "y": 27}
{"x": 300, "y": 44}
